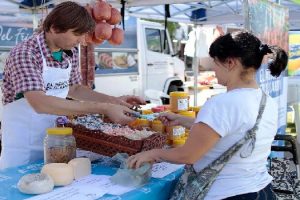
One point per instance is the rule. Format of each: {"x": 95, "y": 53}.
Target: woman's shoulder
{"x": 236, "y": 100}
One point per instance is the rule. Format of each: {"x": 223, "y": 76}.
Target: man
{"x": 38, "y": 76}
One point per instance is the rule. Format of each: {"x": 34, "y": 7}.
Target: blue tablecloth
{"x": 159, "y": 189}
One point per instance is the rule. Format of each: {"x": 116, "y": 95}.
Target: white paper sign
{"x": 71, "y": 193}
{"x": 102, "y": 181}
{"x": 160, "y": 170}
{"x": 87, "y": 188}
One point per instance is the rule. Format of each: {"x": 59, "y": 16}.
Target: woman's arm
{"x": 202, "y": 138}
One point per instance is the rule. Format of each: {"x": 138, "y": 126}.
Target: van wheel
{"x": 172, "y": 88}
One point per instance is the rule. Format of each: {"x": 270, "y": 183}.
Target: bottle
{"x": 59, "y": 145}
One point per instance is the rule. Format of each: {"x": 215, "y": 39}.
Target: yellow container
{"x": 179, "y": 101}
{"x": 178, "y": 142}
{"x": 147, "y": 112}
{"x": 196, "y": 109}
{"x": 143, "y": 123}
{"x": 175, "y": 132}
{"x": 157, "y": 126}
{"x": 140, "y": 123}
{"x": 190, "y": 114}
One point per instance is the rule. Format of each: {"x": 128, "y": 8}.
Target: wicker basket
{"x": 99, "y": 142}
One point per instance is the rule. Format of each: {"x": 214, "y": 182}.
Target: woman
{"x": 225, "y": 118}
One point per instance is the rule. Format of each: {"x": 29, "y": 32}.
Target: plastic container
{"x": 59, "y": 145}
{"x": 175, "y": 132}
{"x": 178, "y": 142}
{"x": 190, "y": 114}
{"x": 157, "y": 126}
{"x": 140, "y": 123}
{"x": 179, "y": 101}
{"x": 196, "y": 109}
{"x": 147, "y": 112}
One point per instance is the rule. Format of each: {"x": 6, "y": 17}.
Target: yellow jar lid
{"x": 179, "y": 94}
{"x": 146, "y": 112}
{"x": 142, "y": 122}
{"x": 60, "y": 131}
{"x": 180, "y": 141}
{"x": 191, "y": 114}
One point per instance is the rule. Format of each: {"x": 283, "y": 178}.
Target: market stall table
{"x": 157, "y": 188}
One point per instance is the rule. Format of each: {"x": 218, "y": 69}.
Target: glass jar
{"x": 59, "y": 145}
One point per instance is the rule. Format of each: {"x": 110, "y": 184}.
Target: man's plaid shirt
{"x": 24, "y": 67}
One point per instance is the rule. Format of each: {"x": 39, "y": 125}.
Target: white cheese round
{"x": 81, "y": 167}
{"x": 61, "y": 173}
{"x": 35, "y": 184}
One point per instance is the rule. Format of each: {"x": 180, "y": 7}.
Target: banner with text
{"x": 269, "y": 21}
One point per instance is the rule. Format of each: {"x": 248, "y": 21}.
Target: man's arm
{"x": 43, "y": 103}
{"x": 84, "y": 93}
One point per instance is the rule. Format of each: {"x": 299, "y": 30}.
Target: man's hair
{"x": 69, "y": 15}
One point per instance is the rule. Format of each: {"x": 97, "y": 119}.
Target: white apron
{"x": 23, "y": 130}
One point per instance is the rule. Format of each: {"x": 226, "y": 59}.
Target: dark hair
{"x": 249, "y": 50}
{"x": 69, "y": 15}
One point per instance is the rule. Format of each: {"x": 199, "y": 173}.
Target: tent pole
{"x": 195, "y": 65}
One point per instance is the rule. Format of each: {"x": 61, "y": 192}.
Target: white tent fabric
{"x": 217, "y": 11}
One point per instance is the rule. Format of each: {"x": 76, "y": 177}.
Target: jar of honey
{"x": 175, "y": 132}
{"x": 190, "y": 114}
{"x": 196, "y": 109}
{"x": 157, "y": 126}
{"x": 139, "y": 123}
{"x": 178, "y": 142}
{"x": 179, "y": 101}
{"x": 147, "y": 112}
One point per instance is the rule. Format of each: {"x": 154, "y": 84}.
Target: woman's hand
{"x": 130, "y": 101}
{"x": 170, "y": 119}
{"x": 137, "y": 160}
{"x": 119, "y": 114}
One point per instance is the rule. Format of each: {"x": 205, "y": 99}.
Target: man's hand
{"x": 119, "y": 114}
{"x": 131, "y": 101}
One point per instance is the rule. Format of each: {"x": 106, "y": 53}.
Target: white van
{"x": 144, "y": 61}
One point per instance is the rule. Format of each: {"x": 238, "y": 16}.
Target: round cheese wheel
{"x": 81, "y": 167}
{"x": 35, "y": 184}
{"x": 61, "y": 173}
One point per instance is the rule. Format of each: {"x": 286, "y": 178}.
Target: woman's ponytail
{"x": 278, "y": 62}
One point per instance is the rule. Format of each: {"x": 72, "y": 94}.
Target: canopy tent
{"x": 217, "y": 11}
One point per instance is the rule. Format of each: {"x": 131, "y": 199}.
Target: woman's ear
{"x": 231, "y": 63}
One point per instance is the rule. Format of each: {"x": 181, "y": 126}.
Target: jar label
{"x": 183, "y": 104}
{"x": 178, "y": 131}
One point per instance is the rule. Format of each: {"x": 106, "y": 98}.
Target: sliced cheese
{"x": 81, "y": 167}
{"x": 61, "y": 173}
{"x": 35, "y": 184}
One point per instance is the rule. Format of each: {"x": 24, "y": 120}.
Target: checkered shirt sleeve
{"x": 25, "y": 71}
{"x": 75, "y": 72}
